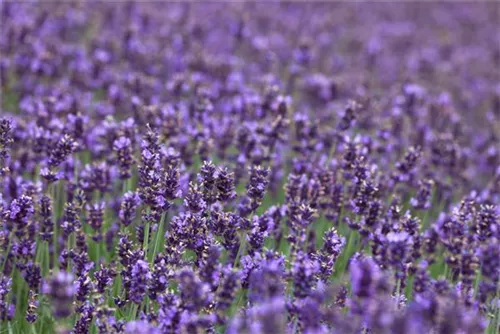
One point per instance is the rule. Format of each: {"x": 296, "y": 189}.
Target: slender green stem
{"x": 146, "y": 305}
{"x": 39, "y": 250}
{"x": 125, "y": 186}
{"x": 476, "y": 283}
{"x": 46, "y": 258}
{"x": 98, "y": 252}
{"x": 349, "y": 250}
{"x": 409, "y": 287}
{"x": 132, "y": 311}
{"x": 446, "y": 268}
{"x": 158, "y": 236}
{"x": 425, "y": 220}
{"x": 242, "y": 296}
{"x": 116, "y": 286}
{"x": 146, "y": 238}
{"x": 6, "y": 255}
{"x": 19, "y": 290}
{"x": 241, "y": 250}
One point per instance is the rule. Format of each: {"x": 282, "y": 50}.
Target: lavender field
{"x": 253, "y": 168}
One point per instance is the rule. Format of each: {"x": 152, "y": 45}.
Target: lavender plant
{"x": 249, "y": 167}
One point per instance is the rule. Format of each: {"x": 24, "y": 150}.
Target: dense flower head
{"x": 249, "y": 168}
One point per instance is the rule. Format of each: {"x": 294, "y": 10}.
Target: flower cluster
{"x": 249, "y": 168}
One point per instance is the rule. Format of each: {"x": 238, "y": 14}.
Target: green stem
{"x": 241, "y": 250}
{"x": 19, "y": 291}
{"x": 348, "y": 250}
{"x": 116, "y": 286}
{"x": 445, "y": 270}
{"x": 476, "y": 283}
{"x": 132, "y": 311}
{"x": 425, "y": 220}
{"x": 146, "y": 238}
{"x": 409, "y": 287}
{"x": 46, "y": 258}
{"x": 98, "y": 252}
{"x": 6, "y": 255}
{"x": 159, "y": 233}
{"x": 125, "y": 186}
{"x": 242, "y": 295}
{"x": 398, "y": 291}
